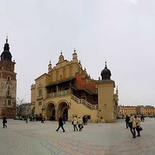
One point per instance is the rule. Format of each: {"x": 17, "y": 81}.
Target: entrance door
{"x": 50, "y": 113}
{"x": 63, "y": 110}
{"x": 65, "y": 114}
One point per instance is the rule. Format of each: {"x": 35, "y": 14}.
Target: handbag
{"x": 140, "y": 128}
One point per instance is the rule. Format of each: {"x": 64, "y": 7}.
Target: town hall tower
{"x": 7, "y": 83}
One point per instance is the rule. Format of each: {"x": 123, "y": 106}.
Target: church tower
{"x": 106, "y": 103}
{"x": 7, "y": 83}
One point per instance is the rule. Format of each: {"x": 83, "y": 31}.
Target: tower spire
{"x": 106, "y": 73}
{"x": 6, "y": 38}
{"x": 6, "y": 55}
{"x": 75, "y": 55}
{"x": 74, "y": 50}
{"x": 105, "y": 64}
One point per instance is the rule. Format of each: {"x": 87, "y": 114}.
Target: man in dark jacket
{"x": 4, "y": 122}
{"x": 127, "y": 119}
{"x": 60, "y": 124}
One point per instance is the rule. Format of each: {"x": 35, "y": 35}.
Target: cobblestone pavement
{"x": 36, "y": 138}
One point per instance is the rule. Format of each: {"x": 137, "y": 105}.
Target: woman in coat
{"x": 75, "y": 122}
{"x": 133, "y": 125}
{"x": 137, "y": 119}
{"x": 80, "y": 123}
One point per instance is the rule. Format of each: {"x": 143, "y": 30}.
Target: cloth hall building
{"x": 69, "y": 91}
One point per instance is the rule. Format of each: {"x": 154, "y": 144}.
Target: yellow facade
{"x": 149, "y": 111}
{"x": 128, "y": 110}
{"x": 136, "y": 110}
{"x": 68, "y": 90}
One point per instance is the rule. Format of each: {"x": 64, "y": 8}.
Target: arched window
{"x": 9, "y": 78}
{"x": 9, "y": 102}
{"x": 40, "y": 92}
{"x": 8, "y": 92}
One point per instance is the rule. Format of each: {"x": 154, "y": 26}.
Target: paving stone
{"x": 35, "y": 138}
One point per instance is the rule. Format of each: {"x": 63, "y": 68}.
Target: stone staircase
{"x": 84, "y": 102}
{"x": 73, "y": 97}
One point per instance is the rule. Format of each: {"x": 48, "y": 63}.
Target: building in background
{"x": 140, "y": 110}
{"x": 69, "y": 91}
{"x": 7, "y": 84}
{"x": 128, "y": 110}
{"x": 149, "y": 110}
{"x": 137, "y": 110}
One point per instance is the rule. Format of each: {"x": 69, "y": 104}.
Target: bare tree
{"x": 19, "y": 102}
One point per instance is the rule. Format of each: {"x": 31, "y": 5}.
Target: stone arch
{"x": 62, "y": 109}
{"x": 50, "y": 111}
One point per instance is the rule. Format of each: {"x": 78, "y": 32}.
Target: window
{"x": 40, "y": 92}
{"x": 8, "y": 92}
{"x": 9, "y": 102}
{"x": 39, "y": 103}
{"x": 9, "y": 78}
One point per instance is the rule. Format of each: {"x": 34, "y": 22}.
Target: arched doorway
{"x": 63, "y": 110}
{"x": 50, "y": 113}
{"x": 65, "y": 113}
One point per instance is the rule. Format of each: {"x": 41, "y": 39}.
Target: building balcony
{"x": 40, "y": 97}
{"x": 76, "y": 99}
{"x": 59, "y": 93}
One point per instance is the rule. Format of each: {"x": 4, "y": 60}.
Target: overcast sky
{"x": 121, "y": 32}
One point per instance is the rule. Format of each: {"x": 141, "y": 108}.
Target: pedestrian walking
{"x": 4, "y": 122}
{"x": 84, "y": 119}
{"x": 142, "y": 118}
{"x": 26, "y": 119}
{"x": 127, "y": 119}
{"x": 60, "y": 121}
{"x": 74, "y": 123}
{"x": 80, "y": 124}
{"x": 137, "y": 119}
{"x": 132, "y": 125}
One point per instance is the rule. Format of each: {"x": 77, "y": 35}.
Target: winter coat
{"x": 75, "y": 122}
{"x": 132, "y": 120}
{"x": 137, "y": 121}
{"x": 4, "y": 120}
{"x": 60, "y": 121}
